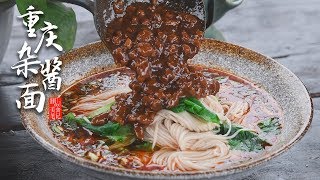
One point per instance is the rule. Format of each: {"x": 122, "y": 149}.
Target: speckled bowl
{"x": 282, "y": 84}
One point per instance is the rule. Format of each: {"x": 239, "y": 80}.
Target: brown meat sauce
{"x": 155, "y": 42}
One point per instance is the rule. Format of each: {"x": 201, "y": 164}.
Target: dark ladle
{"x": 207, "y": 10}
{"x": 102, "y": 10}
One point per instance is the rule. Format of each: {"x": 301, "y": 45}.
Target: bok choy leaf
{"x": 245, "y": 140}
{"x": 111, "y": 130}
{"x": 271, "y": 125}
{"x": 195, "y": 107}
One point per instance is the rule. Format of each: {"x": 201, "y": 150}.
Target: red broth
{"x": 88, "y": 145}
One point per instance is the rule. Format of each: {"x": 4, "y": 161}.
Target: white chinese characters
{"x": 48, "y": 30}
{"x": 50, "y": 70}
{"x": 32, "y": 98}
{"x": 32, "y": 17}
{"x": 29, "y": 98}
{"x": 24, "y": 65}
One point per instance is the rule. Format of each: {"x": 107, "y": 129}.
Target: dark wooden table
{"x": 287, "y": 30}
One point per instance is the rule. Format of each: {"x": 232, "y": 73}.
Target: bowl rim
{"x": 233, "y": 49}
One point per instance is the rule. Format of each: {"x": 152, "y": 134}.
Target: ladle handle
{"x": 215, "y": 9}
{"x": 87, "y": 4}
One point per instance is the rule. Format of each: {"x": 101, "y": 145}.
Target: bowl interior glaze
{"x": 281, "y": 83}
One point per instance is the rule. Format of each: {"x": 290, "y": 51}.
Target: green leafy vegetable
{"x": 144, "y": 146}
{"x": 271, "y": 125}
{"x": 56, "y": 129}
{"x": 69, "y": 122}
{"x": 103, "y": 109}
{"x": 194, "y": 106}
{"x": 111, "y": 130}
{"x": 245, "y": 140}
{"x": 65, "y": 18}
{"x": 128, "y": 141}
{"x": 57, "y": 14}
{"x": 122, "y": 133}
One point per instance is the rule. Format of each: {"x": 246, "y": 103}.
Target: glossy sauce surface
{"x": 155, "y": 42}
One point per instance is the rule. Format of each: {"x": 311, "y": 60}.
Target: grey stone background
{"x": 287, "y": 30}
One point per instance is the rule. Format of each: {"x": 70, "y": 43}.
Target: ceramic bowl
{"x": 281, "y": 83}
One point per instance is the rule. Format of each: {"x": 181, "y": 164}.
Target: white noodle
{"x": 187, "y": 142}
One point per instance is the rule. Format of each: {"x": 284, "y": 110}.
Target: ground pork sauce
{"x": 155, "y": 42}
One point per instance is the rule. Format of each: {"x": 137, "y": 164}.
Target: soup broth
{"x": 260, "y": 106}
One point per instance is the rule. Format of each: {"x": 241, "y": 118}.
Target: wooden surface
{"x": 287, "y": 30}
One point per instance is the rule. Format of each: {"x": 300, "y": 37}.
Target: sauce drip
{"x": 155, "y": 42}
